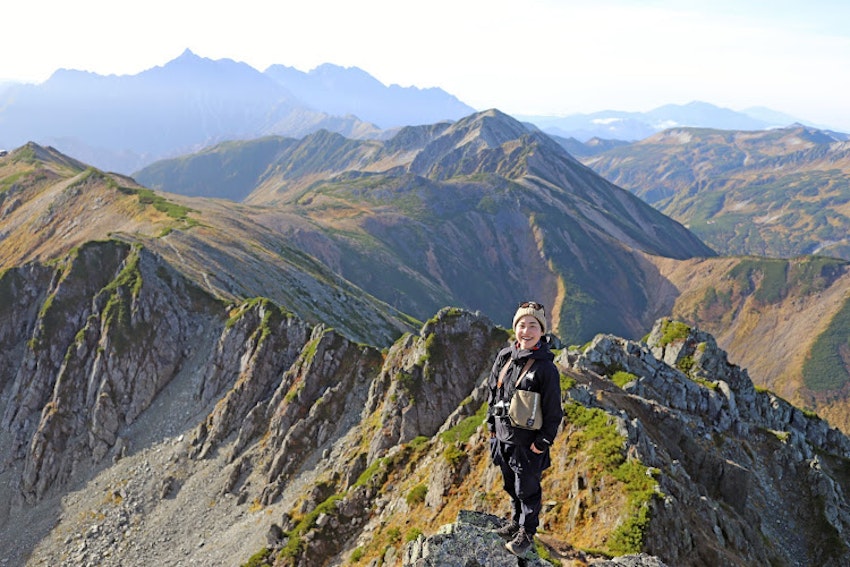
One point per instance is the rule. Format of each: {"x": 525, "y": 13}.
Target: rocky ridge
{"x": 271, "y": 441}
{"x": 456, "y": 214}
{"x": 152, "y": 421}
{"x": 757, "y": 461}
{"x": 471, "y": 541}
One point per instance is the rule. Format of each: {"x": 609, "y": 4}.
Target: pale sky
{"x": 525, "y": 57}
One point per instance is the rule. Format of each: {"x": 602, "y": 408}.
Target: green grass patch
{"x": 295, "y": 545}
{"x": 371, "y": 472}
{"x": 673, "y": 331}
{"x": 122, "y": 291}
{"x": 148, "y": 197}
{"x": 7, "y": 182}
{"x": 597, "y": 436}
{"x": 825, "y": 368}
{"x": 567, "y": 382}
{"x": 685, "y": 364}
{"x": 640, "y": 486}
{"x": 260, "y": 559}
{"x": 766, "y": 278}
{"x": 453, "y": 454}
{"x": 544, "y": 554}
{"x": 621, "y": 378}
{"x": 461, "y": 432}
{"x": 416, "y": 495}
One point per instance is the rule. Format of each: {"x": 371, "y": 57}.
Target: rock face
{"x": 749, "y": 479}
{"x": 113, "y": 328}
{"x": 470, "y": 541}
{"x": 149, "y": 423}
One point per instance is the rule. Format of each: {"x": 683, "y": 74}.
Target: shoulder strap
{"x": 507, "y": 367}
{"x": 525, "y": 369}
{"x": 504, "y": 371}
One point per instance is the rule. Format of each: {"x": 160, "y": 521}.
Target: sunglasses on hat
{"x": 532, "y": 304}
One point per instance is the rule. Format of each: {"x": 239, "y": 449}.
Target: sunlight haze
{"x": 536, "y": 57}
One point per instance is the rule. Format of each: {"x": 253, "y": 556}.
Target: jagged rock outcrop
{"x": 292, "y": 441}
{"x": 258, "y": 345}
{"x": 470, "y": 542}
{"x": 361, "y": 431}
{"x": 427, "y": 379}
{"x": 114, "y": 327}
{"x": 310, "y": 409}
{"x": 747, "y": 477}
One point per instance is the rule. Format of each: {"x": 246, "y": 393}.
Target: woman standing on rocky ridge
{"x": 521, "y": 451}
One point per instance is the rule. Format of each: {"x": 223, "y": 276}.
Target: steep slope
{"x": 218, "y": 435}
{"x": 418, "y": 243}
{"x": 183, "y": 381}
{"x": 784, "y": 320}
{"x": 778, "y": 193}
{"x": 51, "y": 204}
{"x": 473, "y": 214}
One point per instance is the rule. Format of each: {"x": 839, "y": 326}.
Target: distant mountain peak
{"x": 123, "y": 123}
{"x": 492, "y": 126}
{"x": 188, "y": 54}
{"x": 343, "y": 91}
{"x": 634, "y": 126}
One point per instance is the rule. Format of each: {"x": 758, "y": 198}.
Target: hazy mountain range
{"x": 122, "y": 123}
{"x": 632, "y": 126}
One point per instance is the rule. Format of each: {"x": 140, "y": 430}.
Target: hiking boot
{"x": 507, "y": 531}
{"x": 520, "y": 544}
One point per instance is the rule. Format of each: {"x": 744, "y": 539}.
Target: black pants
{"x": 522, "y": 470}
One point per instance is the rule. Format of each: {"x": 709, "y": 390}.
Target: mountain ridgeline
{"x": 778, "y": 193}
{"x": 151, "y": 422}
{"x": 474, "y": 214}
{"x": 121, "y": 123}
{"x": 293, "y": 374}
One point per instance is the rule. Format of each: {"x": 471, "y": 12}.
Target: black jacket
{"x": 542, "y": 377}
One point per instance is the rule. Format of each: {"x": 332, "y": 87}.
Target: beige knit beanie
{"x": 531, "y": 308}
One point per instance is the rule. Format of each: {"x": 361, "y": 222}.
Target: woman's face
{"x": 528, "y": 331}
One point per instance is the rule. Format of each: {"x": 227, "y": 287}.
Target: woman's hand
{"x": 534, "y": 449}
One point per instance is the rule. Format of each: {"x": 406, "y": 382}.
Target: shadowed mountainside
{"x": 472, "y": 214}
